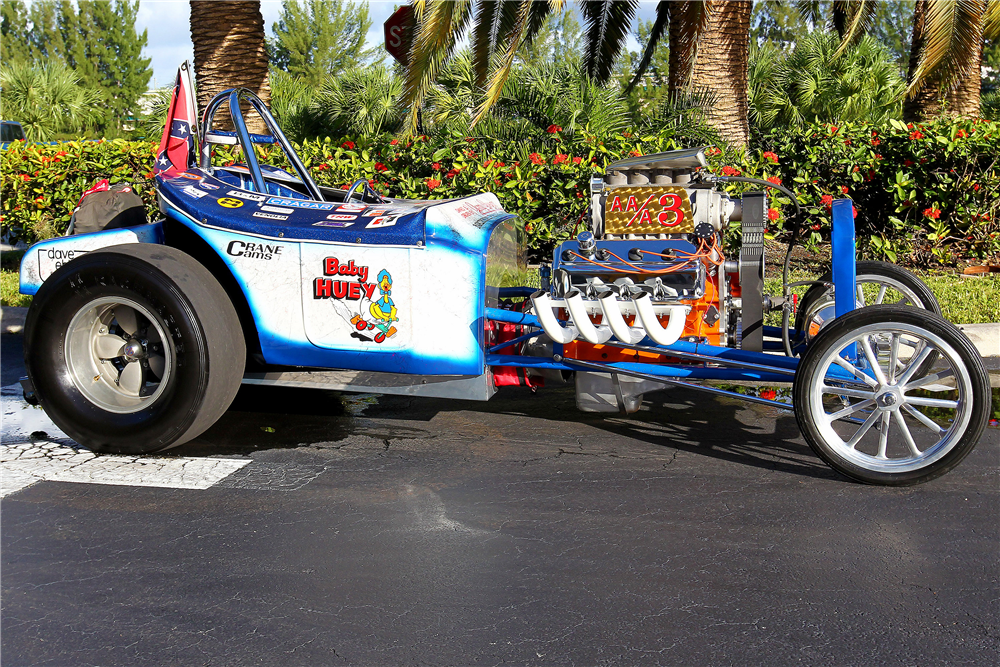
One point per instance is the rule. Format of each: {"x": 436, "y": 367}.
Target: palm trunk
{"x": 229, "y": 51}
{"x": 721, "y": 68}
{"x": 962, "y": 99}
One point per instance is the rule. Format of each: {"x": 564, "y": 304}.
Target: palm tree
{"x": 229, "y": 49}
{"x": 47, "y": 99}
{"x": 946, "y": 55}
{"x": 709, "y": 42}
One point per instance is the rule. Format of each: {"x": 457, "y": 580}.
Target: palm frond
{"x": 811, "y": 11}
{"x": 991, "y": 21}
{"x": 659, "y": 25}
{"x": 483, "y": 38}
{"x": 952, "y": 30}
{"x": 502, "y": 70}
{"x": 608, "y": 23}
{"x": 859, "y": 20}
{"x": 437, "y": 33}
{"x": 688, "y": 22}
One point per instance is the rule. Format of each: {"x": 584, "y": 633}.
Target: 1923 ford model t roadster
{"x": 138, "y": 338}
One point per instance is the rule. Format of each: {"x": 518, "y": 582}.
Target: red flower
{"x": 843, "y": 189}
{"x": 877, "y": 156}
{"x": 470, "y": 154}
{"x": 730, "y": 171}
{"x": 774, "y": 179}
{"x": 577, "y": 160}
{"x": 554, "y": 129}
{"x": 381, "y": 167}
{"x": 452, "y": 174}
{"x": 635, "y": 153}
{"x": 501, "y": 164}
{"x": 768, "y": 155}
{"x": 916, "y": 134}
{"x": 714, "y": 151}
{"x": 932, "y": 213}
{"x": 768, "y": 394}
{"x": 876, "y": 142}
{"x": 907, "y": 163}
{"x": 961, "y": 133}
{"x": 349, "y": 145}
{"x": 773, "y": 214}
{"x": 847, "y": 142}
{"x": 975, "y": 186}
{"x": 816, "y": 227}
{"x": 559, "y": 158}
{"x": 436, "y": 166}
{"x": 432, "y": 183}
{"x": 536, "y": 158}
{"x": 833, "y": 129}
{"x": 394, "y": 142}
{"x": 826, "y": 200}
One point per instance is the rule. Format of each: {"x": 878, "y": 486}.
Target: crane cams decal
{"x": 370, "y": 318}
{"x": 252, "y": 250}
{"x": 648, "y": 210}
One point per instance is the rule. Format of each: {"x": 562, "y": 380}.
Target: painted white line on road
{"x": 32, "y": 449}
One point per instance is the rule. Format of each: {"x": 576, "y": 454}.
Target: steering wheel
{"x": 365, "y": 189}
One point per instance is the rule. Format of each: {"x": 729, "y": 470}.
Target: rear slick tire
{"x": 133, "y": 349}
{"x": 891, "y": 395}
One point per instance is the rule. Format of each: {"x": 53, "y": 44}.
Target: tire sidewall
{"x": 60, "y": 298}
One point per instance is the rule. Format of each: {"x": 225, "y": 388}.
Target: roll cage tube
{"x": 233, "y": 96}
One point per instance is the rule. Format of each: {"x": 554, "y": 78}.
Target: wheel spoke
{"x": 851, "y": 368}
{"x": 929, "y": 379}
{"x": 881, "y": 293}
{"x": 906, "y": 433}
{"x": 847, "y": 391}
{"x": 915, "y": 363}
{"x": 131, "y": 379}
{"x": 861, "y": 295}
{"x": 126, "y": 319}
{"x": 893, "y": 357}
{"x": 109, "y": 346}
{"x": 853, "y": 442}
{"x": 866, "y": 345}
{"x": 925, "y": 420}
{"x": 883, "y": 436}
{"x": 849, "y": 410}
{"x": 156, "y": 364}
{"x": 931, "y": 402}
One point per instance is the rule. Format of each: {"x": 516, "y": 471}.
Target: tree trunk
{"x": 962, "y": 99}
{"x": 229, "y": 52}
{"x": 721, "y": 66}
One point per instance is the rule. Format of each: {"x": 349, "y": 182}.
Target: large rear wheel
{"x": 133, "y": 349}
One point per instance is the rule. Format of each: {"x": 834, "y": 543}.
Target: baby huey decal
{"x": 379, "y": 315}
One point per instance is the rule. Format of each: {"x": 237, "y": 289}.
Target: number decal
{"x": 674, "y": 207}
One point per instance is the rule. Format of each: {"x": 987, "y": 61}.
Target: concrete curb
{"x": 12, "y": 318}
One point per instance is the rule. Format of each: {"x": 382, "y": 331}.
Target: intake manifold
{"x": 614, "y": 322}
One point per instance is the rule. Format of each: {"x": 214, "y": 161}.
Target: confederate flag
{"x": 177, "y": 147}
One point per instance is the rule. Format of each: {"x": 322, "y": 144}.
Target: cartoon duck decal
{"x": 382, "y": 311}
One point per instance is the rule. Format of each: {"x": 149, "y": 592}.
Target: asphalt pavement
{"x": 312, "y": 528}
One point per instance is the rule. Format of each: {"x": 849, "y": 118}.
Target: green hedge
{"x": 926, "y": 194}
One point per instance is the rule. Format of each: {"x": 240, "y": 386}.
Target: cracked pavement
{"x": 365, "y": 530}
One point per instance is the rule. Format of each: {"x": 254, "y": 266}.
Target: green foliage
{"x": 924, "y": 194}
{"x": 557, "y": 41}
{"x": 360, "y": 102}
{"x": 47, "y": 99}
{"x": 41, "y": 184}
{"x": 317, "y": 39}
{"x": 810, "y": 84}
{"x": 777, "y": 23}
{"x": 96, "y": 39}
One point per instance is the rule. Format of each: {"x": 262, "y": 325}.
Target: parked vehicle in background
{"x": 10, "y": 131}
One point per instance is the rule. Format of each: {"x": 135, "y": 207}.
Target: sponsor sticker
{"x": 208, "y": 186}
{"x": 192, "y": 191}
{"x": 339, "y": 224}
{"x": 192, "y": 177}
{"x": 370, "y": 319}
{"x": 252, "y": 250}
{"x": 50, "y": 259}
{"x": 276, "y": 209}
{"x": 378, "y": 223}
{"x": 246, "y": 195}
{"x": 229, "y": 202}
{"x": 341, "y": 216}
{"x": 269, "y": 216}
{"x": 301, "y": 203}
{"x": 351, "y": 208}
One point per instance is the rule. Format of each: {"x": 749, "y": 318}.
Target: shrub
{"x": 924, "y": 194}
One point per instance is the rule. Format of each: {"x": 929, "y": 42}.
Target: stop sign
{"x": 399, "y": 33}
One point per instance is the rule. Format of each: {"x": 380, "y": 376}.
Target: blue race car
{"x": 138, "y": 338}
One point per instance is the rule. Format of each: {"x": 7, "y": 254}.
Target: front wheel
{"x": 892, "y": 395}
{"x": 133, "y": 349}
